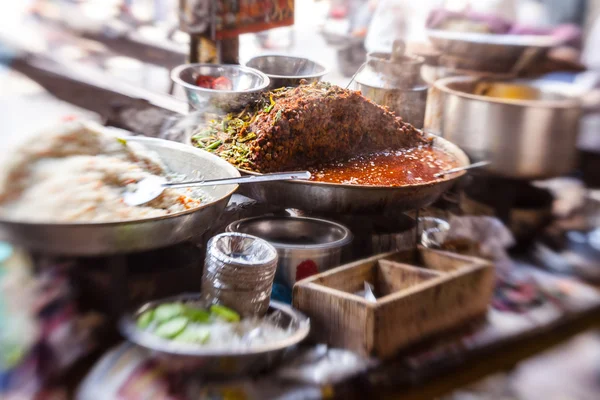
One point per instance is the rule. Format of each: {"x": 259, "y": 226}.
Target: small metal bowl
{"x": 287, "y": 71}
{"x": 305, "y": 245}
{"x": 184, "y": 357}
{"x": 247, "y": 84}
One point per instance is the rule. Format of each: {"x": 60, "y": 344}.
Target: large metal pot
{"x": 523, "y": 139}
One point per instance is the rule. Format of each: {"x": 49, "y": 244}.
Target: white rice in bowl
{"x": 78, "y": 174}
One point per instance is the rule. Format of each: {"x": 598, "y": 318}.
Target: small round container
{"x": 306, "y": 246}
{"x": 286, "y": 71}
{"x": 247, "y": 84}
{"x": 238, "y": 272}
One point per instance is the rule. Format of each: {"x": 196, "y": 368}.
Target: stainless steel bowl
{"x": 180, "y": 357}
{"x": 305, "y": 245}
{"x": 284, "y": 71}
{"x": 492, "y": 52}
{"x": 247, "y": 84}
{"x": 92, "y": 239}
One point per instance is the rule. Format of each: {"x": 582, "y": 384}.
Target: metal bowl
{"x": 285, "y": 71}
{"x": 247, "y": 83}
{"x": 92, "y": 239}
{"x": 490, "y": 51}
{"x": 310, "y": 243}
{"x": 178, "y": 357}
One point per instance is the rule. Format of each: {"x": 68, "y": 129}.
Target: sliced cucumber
{"x": 171, "y": 328}
{"x": 197, "y": 315}
{"x": 168, "y": 311}
{"x": 193, "y": 335}
{"x": 224, "y": 313}
{"x": 145, "y": 319}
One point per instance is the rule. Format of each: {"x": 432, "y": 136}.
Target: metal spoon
{"x": 150, "y": 188}
{"x": 459, "y": 169}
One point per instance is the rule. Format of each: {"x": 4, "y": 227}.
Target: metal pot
{"x": 434, "y": 109}
{"x": 305, "y": 246}
{"x": 523, "y": 139}
{"x": 394, "y": 80}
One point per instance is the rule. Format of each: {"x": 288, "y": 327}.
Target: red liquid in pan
{"x": 388, "y": 168}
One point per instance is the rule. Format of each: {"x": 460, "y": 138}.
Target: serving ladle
{"x": 150, "y": 188}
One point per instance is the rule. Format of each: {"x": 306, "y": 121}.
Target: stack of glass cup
{"x": 239, "y": 272}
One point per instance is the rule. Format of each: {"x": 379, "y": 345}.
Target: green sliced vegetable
{"x": 197, "y": 315}
{"x": 168, "y": 311}
{"x": 224, "y": 313}
{"x": 122, "y": 141}
{"x": 214, "y": 145}
{"x": 193, "y": 335}
{"x": 171, "y": 328}
{"x": 145, "y": 319}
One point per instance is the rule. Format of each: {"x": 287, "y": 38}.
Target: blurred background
{"x": 110, "y": 61}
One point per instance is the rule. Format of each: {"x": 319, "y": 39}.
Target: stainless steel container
{"x": 434, "y": 109}
{"x": 394, "y": 80}
{"x": 285, "y": 71}
{"x": 247, "y": 85}
{"x": 523, "y": 139}
{"x": 238, "y": 272}
{"x": 306, "y": 246}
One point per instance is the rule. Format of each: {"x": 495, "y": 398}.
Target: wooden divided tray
{"x": 419, "y": 293}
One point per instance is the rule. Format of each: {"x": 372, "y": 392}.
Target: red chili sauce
{"x": 387, "y": 168}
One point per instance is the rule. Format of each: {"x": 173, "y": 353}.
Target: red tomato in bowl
{"x": 222, "y": 83}
{"x": 205, "y": 81}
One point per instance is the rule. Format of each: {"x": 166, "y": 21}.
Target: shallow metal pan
{"x": 93, "y": 239}
{"x": 348, "y": 199}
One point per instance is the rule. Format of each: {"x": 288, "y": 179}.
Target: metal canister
{"x": 394, "y": 80}
{"x": 238, "y": 272}
{"x": 306, "y": 246}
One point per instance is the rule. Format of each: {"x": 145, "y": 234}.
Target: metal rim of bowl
{"x": 513, "y": 40}
{"x": 444, "y": 86}
{"x": 325, "y": 71}
{"x": 410, "y": 59}
{"x": 148, "y": 340}
{"x": 346, "y": 239}
{"x": 176, "y": 72}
